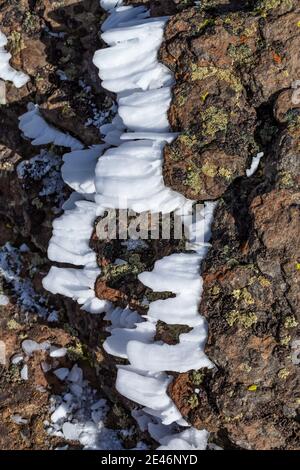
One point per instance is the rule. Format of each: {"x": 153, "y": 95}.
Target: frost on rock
{"x": 7, "y": 72}
{"x": 44, "y": 167}
{"x": 34, "y": 126}
{"x": 27, "y": 298}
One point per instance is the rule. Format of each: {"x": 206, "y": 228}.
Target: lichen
{"x": 225, "y": 173}
{"x": 240, "y": 54}
{"x": 188, "y": 139}
{"x": 245, "y": 320}
{"x": 265, "y": 7}
{"x": 203, "y": 72}
{"x": 193, "y": 180}
{"x": 193, "y": 401}
{"x": 13, "y": 325}
{"x": 16, "y": 43}
{"x": 253, "y": 388}
{"x": 196, "y": 377}
{"x": 214, "y": 120}
{"x": 243, "y": 295}
{"x": 209, "y": 169}
{"x": 290, "y": 322}
{"x": 283, "y": 374}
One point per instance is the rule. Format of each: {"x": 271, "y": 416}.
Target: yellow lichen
{"x": 214, "y": 120}
{"x": 193, "y": 401}
{"x": 193, "y": 180}
{"x": 196, "y": 377}
{"x": 245, "y": 320}
{"x": 290, "y": 322}
{"x": 225, "y": 173}
{"x": 13, "y": 325}
{"x": 264, "y": 282}
{"x": 283, "y": 374}
{"x": 201, "y": 73}
{"x": 209, "y": 169}
{"x": 285, "y": 340}
{"x": 253, "y": 388}
{"x": 188, "y": 140}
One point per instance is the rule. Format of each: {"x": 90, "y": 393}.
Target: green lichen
{"x": 113, "y": 272}
{"x": 193, "y": 401}
{"x": 209, "y": 169}
{"x": 264, "y": 7}
{"x": 193, "y": 180}
{"x": 240, "y": 54}
{"x": 203, "y": 72}
{"x": 215, "y": 290}
{"x": 16, "y": 43}
{"x": 30, "y": 22}
{"x": 245, "y": 367}
{"x": 189, "y": 140}
{"x": 243, "y": 295}
{"x": 196, "y": 377}
{"x": 286, "y": 179}
{"x": 245, "y": 320}
{"x": 214, "y": 120}
{"x": 285, "y": 341}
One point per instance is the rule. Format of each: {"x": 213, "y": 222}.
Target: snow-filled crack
{"x": 126, "y": 173}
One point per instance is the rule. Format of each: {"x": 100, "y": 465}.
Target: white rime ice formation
{"x": 126, "y": 173}
{"x": 34, "y": 126}
{"x": 7, "y": 72}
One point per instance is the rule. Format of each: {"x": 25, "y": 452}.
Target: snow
{"x": 57, "y": 352}
{"x": 78, "y": 170}
{"x": 128, "y": 175}
{"x": 34, "y": 126}
{"x": 255, "y": 164}
{"x": 18, "y": 78}
{"x": 71, "y": 235}
{"x": 79, "y": 414}
{"x": 78, "y": 284}
{"x": 4, "y": 300}
{"x": 24, "y": 372}
{"x": 61, "y": 373}
{"x": 30, "y": 347}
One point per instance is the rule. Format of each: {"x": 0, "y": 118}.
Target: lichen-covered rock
{"x": 226, "y": 67}
{"x": 251, "y": 301}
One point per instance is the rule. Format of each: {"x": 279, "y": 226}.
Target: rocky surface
{"x": 235, "y": 65}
